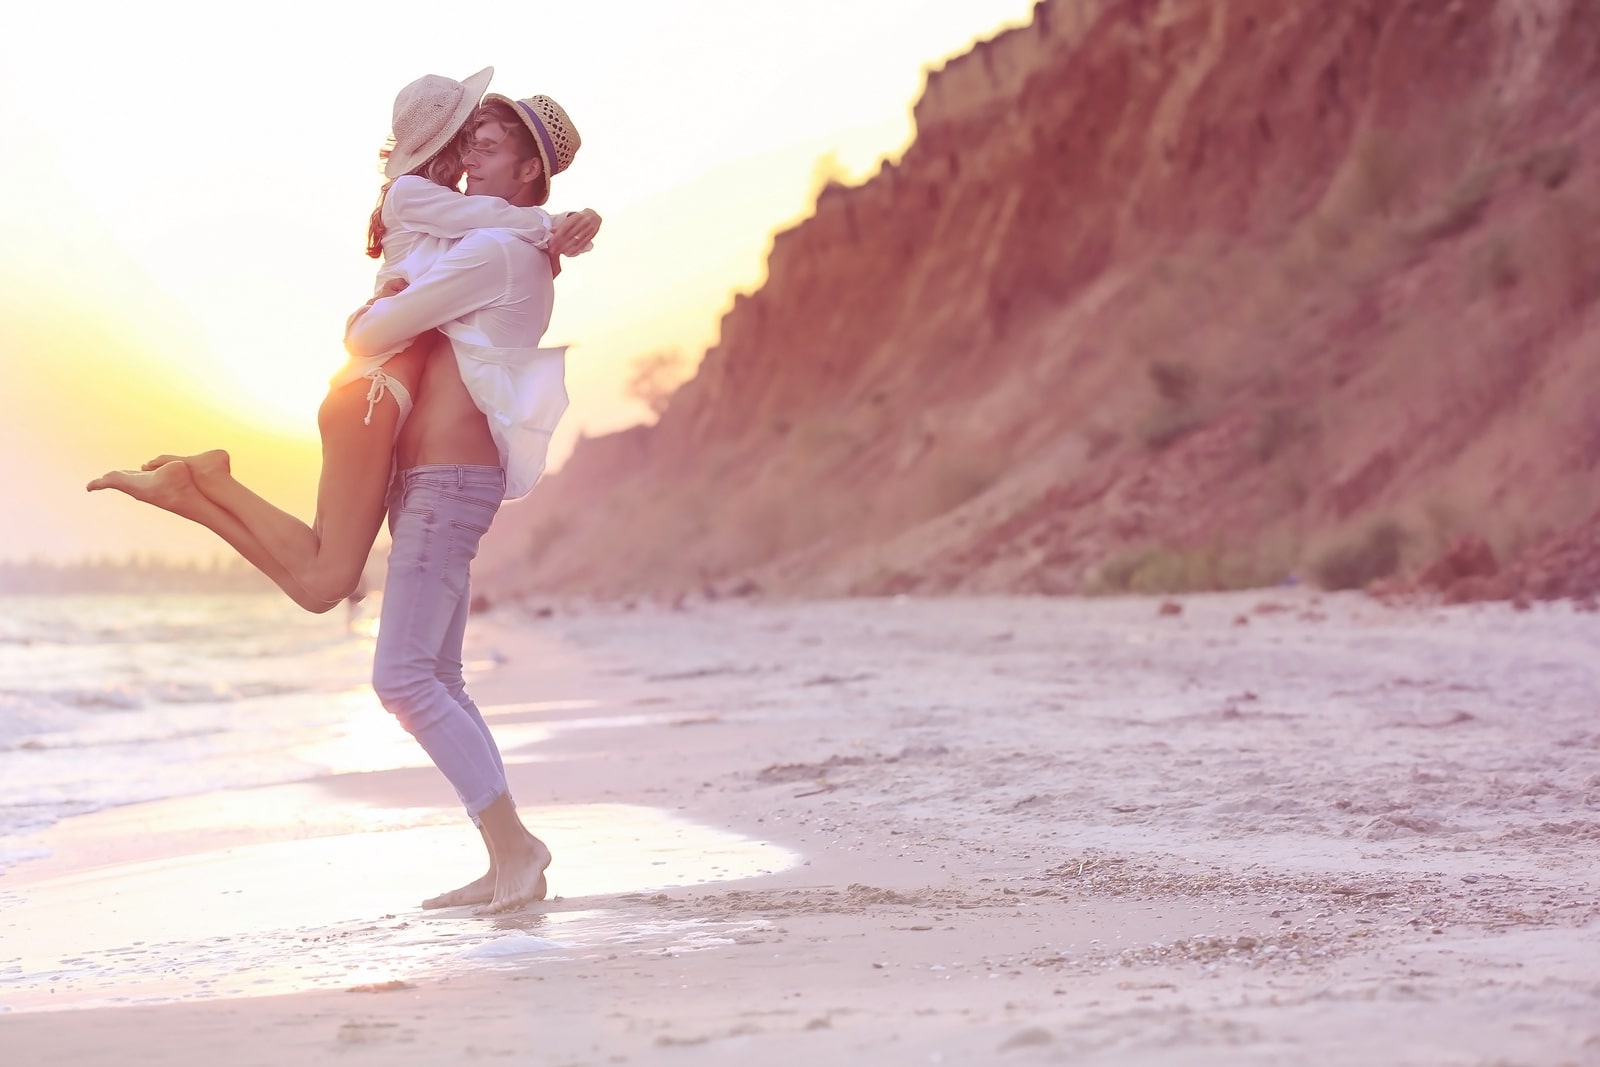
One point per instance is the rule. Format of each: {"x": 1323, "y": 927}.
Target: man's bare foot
{"x": 519, "y": 879}
{"x": 170, "y": 487}
{"x": 478, "y": 891}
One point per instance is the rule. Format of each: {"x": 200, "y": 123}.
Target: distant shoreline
{"x": 134, "y": 575}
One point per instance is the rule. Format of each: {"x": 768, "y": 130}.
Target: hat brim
{"x": 538, "y": 140}
{"x": 473, "y": 89}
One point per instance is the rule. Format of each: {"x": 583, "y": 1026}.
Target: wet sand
{"x": 1268, "y": 828}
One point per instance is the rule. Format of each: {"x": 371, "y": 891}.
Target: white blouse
{"x": 476, "y": 270}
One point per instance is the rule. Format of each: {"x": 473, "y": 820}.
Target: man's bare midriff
{"x": 445, "y": 426}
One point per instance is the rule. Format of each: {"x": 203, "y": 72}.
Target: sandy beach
{"x": 1267, "y": 827}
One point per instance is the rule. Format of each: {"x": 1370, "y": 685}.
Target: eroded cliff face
{"x": 1183, "y": 293}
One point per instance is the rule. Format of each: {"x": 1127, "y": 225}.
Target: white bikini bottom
{"x": 387, "y": 383}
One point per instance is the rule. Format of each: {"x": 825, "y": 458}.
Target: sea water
{"x": 110, "y": 700}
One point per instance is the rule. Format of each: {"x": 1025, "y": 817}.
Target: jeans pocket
{"x": 468, "y": 511}
{"x": 418, "y": 499}
{"x": 471, "y": 524}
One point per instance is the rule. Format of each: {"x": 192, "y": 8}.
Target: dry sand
{"x": 1267, "y": 828}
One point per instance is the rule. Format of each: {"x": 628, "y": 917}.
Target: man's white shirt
{"x": 491, "y": 294}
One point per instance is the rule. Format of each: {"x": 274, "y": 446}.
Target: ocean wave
{"x": 11, "y": 855}
{"x": 221, "y": 692}
{"x": 38, "y": 632}
{"x": 126, "y": 696}
{"x": 265, "y": 625}
{"x": 111, "y": 701}
{"x": 27, "y": 715}
{"x": 105, "y": 698}
{"x": 57, "y": 741}
{"x": 54, "y": 708}
{"x": 18, "y": 821}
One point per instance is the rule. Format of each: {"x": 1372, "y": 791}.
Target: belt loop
{"x": 461, "y": 478}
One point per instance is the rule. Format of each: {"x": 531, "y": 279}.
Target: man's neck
{"x": 523, "y": 197}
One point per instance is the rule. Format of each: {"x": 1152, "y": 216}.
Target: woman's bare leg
{"x": 326, "y": 558}
{"x": 172, "y": 488}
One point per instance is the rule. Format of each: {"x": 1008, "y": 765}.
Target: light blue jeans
{"x": 437, "y": 515}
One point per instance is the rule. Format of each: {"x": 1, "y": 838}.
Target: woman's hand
{"x": 574, "y": 231}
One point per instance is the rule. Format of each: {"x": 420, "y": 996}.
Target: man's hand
{"x": 388, "y": 288}
{"x": 573, "y": 232}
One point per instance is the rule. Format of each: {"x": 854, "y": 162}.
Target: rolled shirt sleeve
{"x": 415, "y": 203}
{"x": 474, "y": 274}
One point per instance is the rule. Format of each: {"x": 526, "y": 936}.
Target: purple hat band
{"x": 544, "y": 137}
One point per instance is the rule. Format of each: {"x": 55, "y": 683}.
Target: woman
{"x": 318, "y": 565}
{"x": 419, "y": 214}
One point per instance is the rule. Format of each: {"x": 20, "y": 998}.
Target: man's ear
{"x": 530, "y": 170}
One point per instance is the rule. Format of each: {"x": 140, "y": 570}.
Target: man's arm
{"x": 472, "y": 275}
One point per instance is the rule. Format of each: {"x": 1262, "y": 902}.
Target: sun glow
{"x": 177, "y": 276}
{"x": 280, "y": 396}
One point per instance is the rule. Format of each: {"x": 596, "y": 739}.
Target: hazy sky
{"x": 184, "y": 195}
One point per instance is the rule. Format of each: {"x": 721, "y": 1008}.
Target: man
{"x": 491, "y": 294}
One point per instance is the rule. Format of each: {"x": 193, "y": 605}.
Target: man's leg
{"x": 481, "y": 889}
{"x": 435, "y": 536}
{"x": 451, "y": 668}
{"x": 439, "y": 515}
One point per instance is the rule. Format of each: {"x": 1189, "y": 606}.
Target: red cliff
{"x": 1164, "y": 295}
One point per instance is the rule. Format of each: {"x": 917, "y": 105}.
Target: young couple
{"x": 445, "y": 409}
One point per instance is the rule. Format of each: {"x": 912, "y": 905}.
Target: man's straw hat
{"x": 427, "y": 113}
{"x": 552, "y": 131}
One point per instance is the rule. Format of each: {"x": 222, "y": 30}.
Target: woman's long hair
{"x": 444, "y": 168}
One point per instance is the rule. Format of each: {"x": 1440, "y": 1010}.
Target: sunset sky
{"x": 184, "y": 225}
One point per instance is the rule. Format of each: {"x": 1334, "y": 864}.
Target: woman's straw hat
{"x": 427, "y": 113}
{"x": 552, "y": 130}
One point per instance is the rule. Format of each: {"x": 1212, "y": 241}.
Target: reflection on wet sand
{"x": 334, "y": 912}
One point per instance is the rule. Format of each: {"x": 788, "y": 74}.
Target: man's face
{"x": 492, "y": 165}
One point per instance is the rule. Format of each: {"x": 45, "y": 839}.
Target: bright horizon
{"x": 185, "y": 227}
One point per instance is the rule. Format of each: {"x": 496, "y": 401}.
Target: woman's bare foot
{"x": 519, "y": 878}
{"x": 478, "y": 891}
{"x": 170, "y": 487}
{"x": 203, "y": 465}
